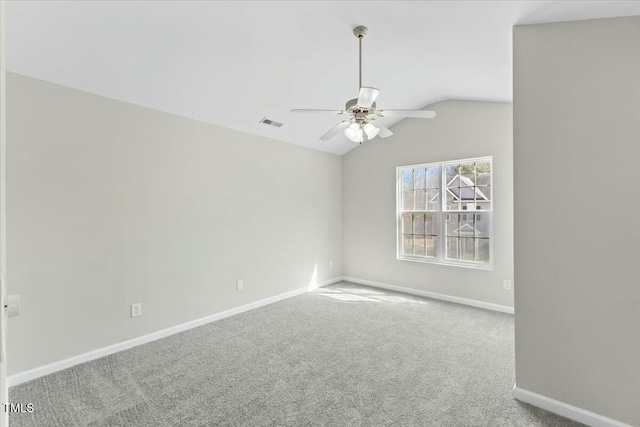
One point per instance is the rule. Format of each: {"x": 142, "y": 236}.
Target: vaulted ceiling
{"x": 233, "y": 63}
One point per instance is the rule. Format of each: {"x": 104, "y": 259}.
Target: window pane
{"x": 466, "y": 194}
{"x": 451, "y": 173}
{"x": 468, "y": 178}
{"x": 452, "y": 248}
{"x": 407, "y": 224}
{"x": 483, "y": 250}
{"x": 467, "y": 249}
{"x": 466, "y": 226}
{"x": 419, "y": 248}
{"x": 407, "y": 245}
{"x": 452, "y": 224}
{"x": 420, "y": 202}
{"x": 431, "y": 226}
{"x": 483, "y": 167}
{"x": 483, "y": 198}
{"x": 431, "y": 244}
{"x": 452, "y": 201}
{"x": 433, "y": 177}
{"x": 418, "y": 223}
{"x": 407, "y": 179}
{"x": 433, "y": 197}
{"x": 407, "y": 200}
{"x": 482, "y": 225}
{"x": 483, "y": 173}
{"x": 419, "y": 178}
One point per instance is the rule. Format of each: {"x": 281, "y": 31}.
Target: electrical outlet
{"x": 136, "y": 309}
{"x": 240, "y": 285}
{"x": 330, "y": 264}
{"x": 507, "y": 285}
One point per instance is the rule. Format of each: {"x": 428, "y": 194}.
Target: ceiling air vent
{"x": 271, "y": 122}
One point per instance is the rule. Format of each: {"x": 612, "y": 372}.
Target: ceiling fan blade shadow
{"x": 419, "y": 114}
{"x": 384, "y": 131}
{"x": 335, "y": 130}
{"x": 367, "y": 96}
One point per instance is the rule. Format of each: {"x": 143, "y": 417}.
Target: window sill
{"x": 471, "y": 265}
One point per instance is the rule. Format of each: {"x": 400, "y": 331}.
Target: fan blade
{"x": 298, "y": 110}
{"x": 420, "y": 114}
{"x": 384, "y": 131}
{"x": 367, "y": 96}
{"x": 335, "y": 130}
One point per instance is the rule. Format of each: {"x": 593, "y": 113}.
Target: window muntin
{"x": 458, "y": 231}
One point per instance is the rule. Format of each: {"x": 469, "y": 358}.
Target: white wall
{"x": 577, "y": 228}
{"x": 462, "y": 129}
{"x": 112, "y": 204}
{"x": 4, "y": 415}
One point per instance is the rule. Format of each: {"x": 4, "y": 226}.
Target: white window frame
{"x": 441, "y": 213}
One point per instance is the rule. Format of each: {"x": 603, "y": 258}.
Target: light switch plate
{"x": 12, "y": 306}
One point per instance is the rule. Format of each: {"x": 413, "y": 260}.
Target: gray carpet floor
{"x": 344, "y": 355}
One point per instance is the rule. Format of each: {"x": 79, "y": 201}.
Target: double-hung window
{"x": 445, "y": 212}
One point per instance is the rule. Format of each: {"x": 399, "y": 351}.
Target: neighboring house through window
{"x": 456, "y": 231}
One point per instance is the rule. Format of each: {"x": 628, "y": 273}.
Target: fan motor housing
{"x": 359, "y": 112}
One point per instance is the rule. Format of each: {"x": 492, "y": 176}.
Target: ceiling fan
{"x": 361, "y": 125}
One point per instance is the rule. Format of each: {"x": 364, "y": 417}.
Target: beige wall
{"x": 577, "y": 198}
{"x": 462, "y": 129}
{"x": 112, "y": 204}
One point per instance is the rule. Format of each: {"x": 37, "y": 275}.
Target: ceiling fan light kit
{"x": 362, "y": 111}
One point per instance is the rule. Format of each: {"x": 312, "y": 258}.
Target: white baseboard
{"x": 568, "y": 411}
{"x": 336, "y": 279}
{"x": 434, "y": 295}
{"x": 40, "y": 371}
{"x": 34, "y": 373}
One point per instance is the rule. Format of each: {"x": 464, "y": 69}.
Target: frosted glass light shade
{"x": 371, "y": 130}
{"x": 354, "y": 132}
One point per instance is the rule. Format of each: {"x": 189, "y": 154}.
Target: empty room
{"x": 319, "y": 213}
